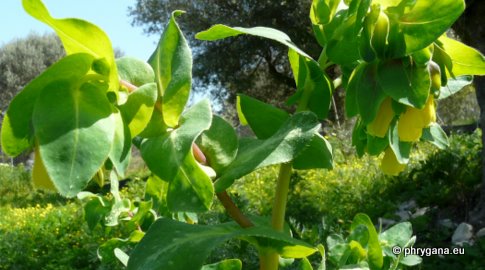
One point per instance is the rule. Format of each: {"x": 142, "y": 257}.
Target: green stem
{"x": 269, "y": 259}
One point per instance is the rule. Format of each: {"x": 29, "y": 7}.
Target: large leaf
{"x": 120, "y": 153}
{"x": 169, "y": 157}
{"x": 422, "y": 21}
{"x": 137, "y": 110}
{"x": 78, "y": 36}
{"x": 17, "y": 130}
{"x": 172, "y": 63}
{"x": 466, "y": 60}
{"x": 454, "y": 85}
{"x": 318, "y": 154}
{"x": 285, "y": 145}
{"x": 219, "y": 144}
{"x": 220, "y": 31}
{"x": 70, "y": 120}
{"x": 407, "y": 83}
{"x": 232, "y": 264}
{"x": 169, "y": 243}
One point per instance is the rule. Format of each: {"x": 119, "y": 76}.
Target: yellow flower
{"x": 411, "y": 123}
{"x": 380, "y": 125}
{"x": 390, "y": 165}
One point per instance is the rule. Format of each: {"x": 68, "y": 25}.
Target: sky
{"x": 109, "y": 15}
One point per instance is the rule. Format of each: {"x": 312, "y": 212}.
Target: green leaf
{"x": 17, "y": 130}
{"x": 422, "y": 22}
{"x": 314, "y": 88}
{"x": 220, "y": 31}
{"x": 411, "y": 260}
{"x": 400, "y": 149}
{"x": 219, "y": 144}
{"x": 343, "y": 46}
{"x": 95, "y": 210}
{"x": 454, "y": 85}
{"x": 120, "y": 153}
{"x": 70, "y": 120}
{"x": 170, "y": 158}
{"x": 286, "y": 144}
{"x": 305, "y": 265}
{"x": 318, "y": 154}
{"x": 376, "y": 145}
{"x": 466, "y": 60}
{"x": 138, "y": 109}
{"x": 135, "y": 71}
{"x": 369, "y": 94}
{"x": 359, "y": 138}
{"x": 169, "y": 243}
{"x": 374, "y": 251}
{"x": 351, "y": 107}
{"x": 78, "y": 36}
{"x": 398, "y": 234}
{"x": 172, "y": 63}
{"x": 405, "y": 82}
{"x": 156, "y": 190}
{"x": 231, "y": 264}
{"x": 435, "y": 135}
{"x": 264, "y": 119}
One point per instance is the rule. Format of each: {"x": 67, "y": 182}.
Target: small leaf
{"x": 286, "y": 144}
{"x": 78, "y": 36}
{"x": 120, "y": 153}
{"x": 69, "y": 122}
{"x": 401, "y": 149}
{"x": 168, "y": 243}
{"x": 138, "y": 109}
{"x": 219, "y": 144}
{"x": 135, "y": 71}
{"x": 305, "y": 264}
{"x": 435, "y": 135}
{"x": 411, "y": 260}
{"x": 318, "y": 154}
{"x": 398, "y": 234}
{"x": 232, "y": 264}
{"x": 172, "y": 63}
{"x": 220, "y": 31}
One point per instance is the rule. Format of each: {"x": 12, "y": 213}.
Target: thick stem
{"x": 269, "y": 259}
{"x": 233, "y": 210}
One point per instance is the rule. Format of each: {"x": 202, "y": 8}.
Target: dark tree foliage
{"x": 249, "y": 65}
{"x": 471, "y": 28}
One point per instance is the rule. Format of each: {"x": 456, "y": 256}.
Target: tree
{"x": 261, "y": 70}
{"x": 471, "y": 28}
{"x": 21, "y": 60}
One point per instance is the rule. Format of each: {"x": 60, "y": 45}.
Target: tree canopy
{"x": 249, "y": 65}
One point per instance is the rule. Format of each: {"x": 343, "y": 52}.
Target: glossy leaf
{"x": 466, "y": 60}
{"x": 70, "y": 120}
{"x": 286, "y": 144}
{"x": 170, "y": 158}
{"x": 78, "y": 36}
{"x": 172, "y": 63}
{"x": 374, "y": 251}
{"x": 220, "y": 31}
{"x": 219, "y": 144}
{"x": 232, "y": 264}
{"x": 454, "y": 85}
{"x": 422, "y": 22}
{"x": 168, "y": 243}
{"x": 406, "y": 83}
{"x": 17, "y": 131}
{"x": 435, "y": 135}
{"x": 138, "y": 109}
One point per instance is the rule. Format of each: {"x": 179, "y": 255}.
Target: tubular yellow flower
{"x": 390, "y": 165}
{"x": 380, "y": 125}
{"x": 412, "y": 122}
